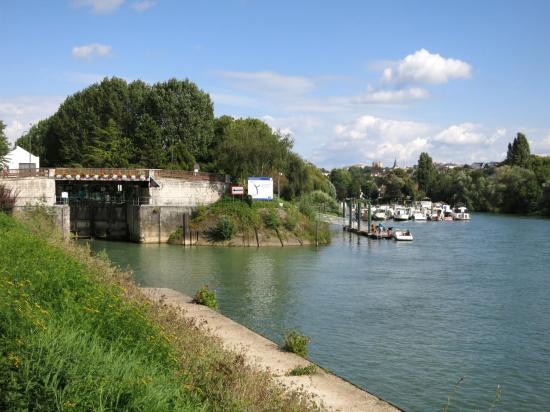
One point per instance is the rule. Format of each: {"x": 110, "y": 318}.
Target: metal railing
{"x": 13, "y": 173}
{"x": 184, "y": 174}
{"x": 86, "y": 172}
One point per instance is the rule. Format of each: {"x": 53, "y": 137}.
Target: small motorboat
{"x": 402, "y": 234}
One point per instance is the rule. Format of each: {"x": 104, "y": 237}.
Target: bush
{"x": 296, "y": 343}
{"x": 303, "y": 370}
{"x": 206, "y": 297}
{"x": 176, "y": 237}
{"x": 271, "y": 219}
{"x": 224, "y": 229}
{"x": 292, "y": 218}
{"x": 7, "y": 199}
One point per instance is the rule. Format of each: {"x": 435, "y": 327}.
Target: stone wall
{"x": 32, "y": 190}
{"x": 154, "y": 224}
{"x": 177, "y": 192}
{"x": 60, "y": 215}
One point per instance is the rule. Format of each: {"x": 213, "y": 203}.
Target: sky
{"x": 352, "y": 81}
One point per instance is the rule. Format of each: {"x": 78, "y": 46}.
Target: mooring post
{"x": 186, "y": 231}
{"x": 369, "y": 215}
{"x": 350, "y": 214}
{"x": 359, "y": 216}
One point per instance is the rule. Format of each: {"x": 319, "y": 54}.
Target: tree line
{"x": 519, "y": 184}
{"x": 167, "y": 125}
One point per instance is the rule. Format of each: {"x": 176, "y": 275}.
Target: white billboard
{"x": 260, "y": 188}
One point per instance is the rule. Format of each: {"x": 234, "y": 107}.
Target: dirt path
{"x": 329, "y": 390}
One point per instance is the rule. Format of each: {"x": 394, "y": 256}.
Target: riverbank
{"x": 77, "y": 333}
{"x": 326, "y": 389}
{"x": 230, "y": 222}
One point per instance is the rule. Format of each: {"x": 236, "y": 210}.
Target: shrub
{"x": 296, "y": 343}
{"x": 271, "y": 219}
{"x": 224, "y": 229}
{"x": 8, "y": 197}
{"x": 176, "y": 237}
{"x": 206, "y": 297}
{"x": 303, "y": 370}
{"x": 292, "y": 218}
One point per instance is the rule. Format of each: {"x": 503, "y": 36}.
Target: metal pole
{"x": 369, "y": 215}
{"x": 358, "y": 215}
{"x": 350, "y": 216}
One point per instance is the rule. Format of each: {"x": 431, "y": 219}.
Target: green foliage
{"x": 115, "y": 123}
{"x": 425, "y": 173}
{"x": 271, "y": 219}
{"x": 4, "y": 146}
{"x": 296, "y": 343}
{"x": 75, "y": 334}
{"x": 206, "y": 297}
{"x": 341, "y": 179}
{"x": 303, "y": 370}
{"x": 519, "y": 152}
{"x": 224, "y": 229}
{"x": 176, "y": 237}
{"x": 7, "y": 199}
{"x": 248, "y": 147}
{"x": 320, "y": 201}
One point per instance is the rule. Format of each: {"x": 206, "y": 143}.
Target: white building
{"x": 19, "y": 158}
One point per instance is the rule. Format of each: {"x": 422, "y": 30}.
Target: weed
{"x": 224, "y": 229}
{"x": 303, "y": 370}
{"x": 206, "y": 297}
{"x": 296, "y": 343}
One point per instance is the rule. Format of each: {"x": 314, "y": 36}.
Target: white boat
{"x": 379, "y": 215}
{"x": 402, "y": 234}
{"x": 461, "y": 213}
{"x": 401, "y": 214}
{"x": 419, "y": 215}
{"x": 447, "y": 213}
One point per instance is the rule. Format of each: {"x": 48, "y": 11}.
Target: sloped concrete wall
{"x": 32, "y": 190}
{"x": 177, "y": 192}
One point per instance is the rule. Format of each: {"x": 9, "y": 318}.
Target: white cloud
{"x": 425, "y": 67}
{"x": 20, "y": 112}
{"x": 90, "y": 51}
{"x": 392, "y": 96}
{"x": 99, "y": 6}
{"x": 143, "y": 5}
{"x": 371, "y": 138}
{"x": 467, "y": 134}
{"x": 266, "y": 82}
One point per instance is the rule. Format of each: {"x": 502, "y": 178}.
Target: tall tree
{"x": 4, "y": 146}
{"x": 519, "y": 153}
{"x": 425, "y": 173}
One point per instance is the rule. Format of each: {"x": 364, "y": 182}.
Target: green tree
{"x": 341, "y": 179}
{"x": 110, "y": 148}
{"x": 517, "y": 190}
{"x": 250, "y": 148}
{"x": 425, "y": 173}
{"x": 519, "y": 153}
{"x": 148, "y": 140}
{"x": 4, "y": 146}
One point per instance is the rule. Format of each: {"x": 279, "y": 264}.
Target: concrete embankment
{"x": 328, "y": 390}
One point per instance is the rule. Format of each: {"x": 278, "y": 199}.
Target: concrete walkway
{"x": 329, "y": 390}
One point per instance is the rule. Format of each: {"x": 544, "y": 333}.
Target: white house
{"x": 19, "y": 158}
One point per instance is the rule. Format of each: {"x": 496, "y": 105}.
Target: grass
{"x": 303, "y": 370}
{"x": 266, "y": 218}
{"x": 206, "y": 297}
{"x": 296, "y": 343}
{"x": 76, "y": 334}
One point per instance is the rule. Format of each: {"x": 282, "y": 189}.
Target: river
{"x": 404, "y": 320}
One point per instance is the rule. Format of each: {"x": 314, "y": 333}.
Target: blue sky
{"x": 352, "y": 81}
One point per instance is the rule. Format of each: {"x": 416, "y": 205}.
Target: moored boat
{"x": 461, "y": 213}
{"x": 402, "y": 234}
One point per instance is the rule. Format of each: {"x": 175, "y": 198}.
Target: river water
{"x": 403, "y": 320}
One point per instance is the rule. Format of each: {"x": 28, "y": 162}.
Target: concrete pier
{"x": 328, "y": 390}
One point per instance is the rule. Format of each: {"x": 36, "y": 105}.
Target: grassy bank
{"x": 230, "y": 221}
{"x": 75, "y": 334}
